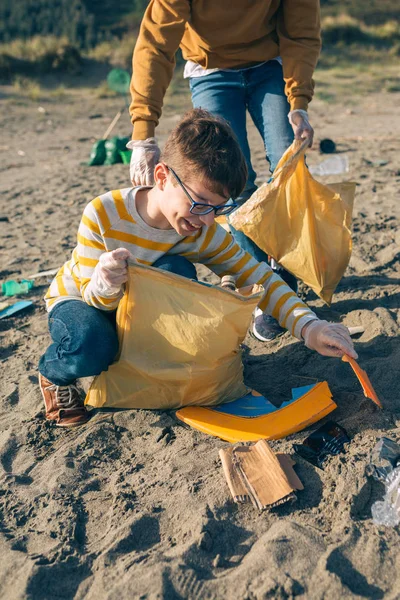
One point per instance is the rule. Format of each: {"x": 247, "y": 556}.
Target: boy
{"x": 170, "y": 226}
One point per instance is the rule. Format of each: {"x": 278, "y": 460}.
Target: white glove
{"x": 145, "y": 156}
{"x": 111, "y": 272}
{"x": 328, "y": 339}
{"x": 301, "y": 125}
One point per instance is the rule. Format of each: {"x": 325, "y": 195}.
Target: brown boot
{"x": 63, "y": 404}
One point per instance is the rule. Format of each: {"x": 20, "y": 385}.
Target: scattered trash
{"x": 385, "y": 467}
{"x": 3, "y": 305}
{"x": 253, "y": 417}
{"x": 21, "y": 153}
{"x": 327, "y": 146}
{"x": 363, "y": 378}
{"x": 44, "y": 273}
{"x": 334, "y": 165}
{"x": 4, "y": 219}
{"x": 326, "y": 441}
{"x": 42, "y": 110}
{"x": 380, "y": 162}
{"x": 316, "y": 218}
{"x": 97, "y": 153}
{"x": 110, "y": 152}
{"x": 255, "y": 473}
{"x": 114, "y": 147}
{"x": 356, "y": 330}
{"x": 13, "y": 288}
{"x": 15, "y": 308}
{"x": 228, "y": 282}
{"x": 96, "y": 116}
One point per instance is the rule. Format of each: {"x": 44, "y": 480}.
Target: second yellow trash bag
{"x": 179, "y": 344}
{"x": 303, "y": 224}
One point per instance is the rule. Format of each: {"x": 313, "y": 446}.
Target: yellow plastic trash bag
{"x": 179, "y": 344}
{"x": 303, "y": 224}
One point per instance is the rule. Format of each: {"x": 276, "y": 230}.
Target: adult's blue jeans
{"x": 85, "y": 340}
{"x": 260, "y": 91}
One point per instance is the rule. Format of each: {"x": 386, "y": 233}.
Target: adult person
{"x": 242, "y": 55}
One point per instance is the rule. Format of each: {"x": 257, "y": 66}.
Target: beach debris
{"x": 327, "y": 146}
{"x": 48, "y": 273}
{"x": 363, "y": 378}
{"x": 15, "y": 308}
{"x": 327, "y": 440}
{"x": 42, "y": 110}
{"x": 110, "y": 152}
{"x": 254, "y": 473}
{"x": 21, "y": 153}
{"x": 379, "y": 162}
{"x": 4, "y": 219}
{"x": 385, "y": 467}
{"x": 356, "y": 330}
{"x": 97, "y": 153}
{"x": 334, "y": 165}
{"x": 253, "y": 417}
{"x": 13, "y": 288}
{"x": 228, "y": 282}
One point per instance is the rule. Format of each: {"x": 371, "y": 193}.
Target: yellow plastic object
{"x": 179, "y": 343}
{"x": 363, "y": 378}
{"x": 303, "y": 224}
{"x": 313, "y": 406}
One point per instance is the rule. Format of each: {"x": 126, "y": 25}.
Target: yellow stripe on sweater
{"x": 101, "y": 213}
{"x": 90, "y": 243}
{"x": 120, "y": 206}
{"x": 244, "y": 276}
{"x": 290, "y": 310}
{"x": 209, "y": 236}
{"x": 280, "y": 303}
{"x": 129, "y": 238}
{"x": 91, "y": 224}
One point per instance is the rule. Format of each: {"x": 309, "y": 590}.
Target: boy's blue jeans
{"x": 85, "y": 340}
{"x": 260, "y": 90}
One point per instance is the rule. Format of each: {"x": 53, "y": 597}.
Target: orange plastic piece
{"x": 313, "y": 406}
{"x": 363, "y": 378}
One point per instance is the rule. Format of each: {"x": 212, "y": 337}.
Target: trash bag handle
{"x": 300, "y": 150}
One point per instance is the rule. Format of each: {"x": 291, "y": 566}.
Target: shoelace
{"x": 65, "y": 395}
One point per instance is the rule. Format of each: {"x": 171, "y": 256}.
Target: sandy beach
{"x": 135, "y": 505}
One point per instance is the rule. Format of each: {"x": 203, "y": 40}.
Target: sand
{"x": 134, "y": 505}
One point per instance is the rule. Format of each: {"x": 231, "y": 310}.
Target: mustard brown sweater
{"x": 223, "y": 34}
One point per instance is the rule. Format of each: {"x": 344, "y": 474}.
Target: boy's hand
{"x": 328, "y": 339}
{"x": 111, "y": 272}
{"x": 145, "y": 156}
{"x": 301, "y": 125}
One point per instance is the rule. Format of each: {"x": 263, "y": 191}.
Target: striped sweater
{"x": 112, "y": 221}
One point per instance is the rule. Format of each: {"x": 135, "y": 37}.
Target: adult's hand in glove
{"x": 111, "y": 272}
{"x": 301, "y": 125}
{"x": 145, "y": 156}
{"x": 328, "y": 339}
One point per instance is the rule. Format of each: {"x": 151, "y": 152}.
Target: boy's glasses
{"x": 198, "y": 208}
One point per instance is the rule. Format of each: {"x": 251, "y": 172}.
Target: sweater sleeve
{"x": 161, "y": 31}
{"x": 223, "y": 256}
{"x": 299, "y": 33}
{"x": 88, "y": 251}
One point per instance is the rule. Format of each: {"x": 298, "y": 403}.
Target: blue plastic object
{"x": 255, "y": 406}
{"x": 300, "y": 391}
{"x": 11, "y": 310}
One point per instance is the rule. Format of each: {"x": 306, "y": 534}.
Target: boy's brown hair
{"x": 204, "y": 146}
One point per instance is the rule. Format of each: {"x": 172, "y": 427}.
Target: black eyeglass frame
{"x": 222, "y": 209}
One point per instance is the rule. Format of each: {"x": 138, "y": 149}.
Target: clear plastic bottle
{"x": 13, "y": 288}
{"x": 228, "y": 282}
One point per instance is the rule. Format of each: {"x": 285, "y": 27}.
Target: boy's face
{"x": 175, "y": 204}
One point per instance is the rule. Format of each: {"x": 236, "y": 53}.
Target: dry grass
{"x": 117, "y": 53}
{"x": 28, "y": 88}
